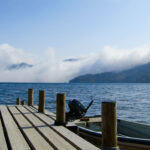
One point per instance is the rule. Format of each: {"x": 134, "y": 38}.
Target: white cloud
{"x": 47, "y": 68}
{"x": 10, "y": 55}
{"x": 119, "y": 59}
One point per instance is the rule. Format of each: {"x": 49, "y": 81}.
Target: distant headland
{"x": 138, "y": 74}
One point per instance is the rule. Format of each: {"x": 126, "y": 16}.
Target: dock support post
{"x": 23, "y": 102}
{"x": 30, "y": 97}
{"x": 41, "y": 101}
{"x": 18, "y": 101}
{"x": 109, "y": 126}
{"x": 60, "y": 109}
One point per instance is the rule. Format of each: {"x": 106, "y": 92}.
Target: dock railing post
{"x": 23, "y": 102}
{"x": 30, "y": 97}
{"x": 41, "y": 107}
{"x": 18, "y": 101}
{"x": 109, "y": 126}
{"x": 60, "y": 109}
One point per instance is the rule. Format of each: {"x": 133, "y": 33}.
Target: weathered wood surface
{"x": 109, "y": 125}
{"x": 48, "y": 113}
{"x": 27, "y": 129}
{"x": 30, "y": 97}
{"x": 72, "y": 138}
{"x": 41, "y": 101}
{"x": 60, "y": 109}
{"x": 44, "y": 129}
{"x": 16, "y": 139}
{"x": 38, "y": 142}
{"x": 3, "y": 144}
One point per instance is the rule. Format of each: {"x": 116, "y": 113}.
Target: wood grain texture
{"x": 38, "y": 142}
{"x": 60, "y": 109}
{"x": 3, "y": 144}
{"x": 49, "y": 113}
{"x": 109, "y": 124}
{"x": 50, "y": 134}
{"x": 64, "y": 132}
{"x": 16, "y": 139}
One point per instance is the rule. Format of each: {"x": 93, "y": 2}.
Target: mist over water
{"x": 16, "y": 65}
{"x": 133, "y": 100}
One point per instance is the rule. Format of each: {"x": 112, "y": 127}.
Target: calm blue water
{"x": 133, "y": 100}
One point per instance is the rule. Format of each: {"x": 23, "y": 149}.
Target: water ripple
{"x": 133, "y": 100}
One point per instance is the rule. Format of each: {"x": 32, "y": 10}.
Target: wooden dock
{"x": 24, "y": 128}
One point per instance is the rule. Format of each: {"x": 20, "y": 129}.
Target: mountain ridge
{"x": 18, "y": 66}
{"x": 138, "y": 74}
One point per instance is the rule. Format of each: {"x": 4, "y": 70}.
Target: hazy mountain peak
{"x": 71, "y": 59}
{"x": 138, "y": 74}
{"x": 22, "y": 65}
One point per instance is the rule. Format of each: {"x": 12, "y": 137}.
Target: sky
{"x": 66, "y": 38}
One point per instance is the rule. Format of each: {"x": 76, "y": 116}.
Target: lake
{"x": 133, "y": 99}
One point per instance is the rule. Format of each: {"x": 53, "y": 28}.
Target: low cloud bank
{"x": 47, "y": 68}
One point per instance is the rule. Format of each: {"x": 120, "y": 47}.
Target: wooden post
{"x": 23, "y": 102}
{"x": 41, "y": 101}
{"x": 109, "y": 126}
{"x": 30, "y": 97}
{"x": 18, "y": 101}
{"x": 60, "y": 109}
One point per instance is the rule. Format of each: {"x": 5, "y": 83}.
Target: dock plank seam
{"x": 50, "y": 134}
{"x": 23, "y": 133}
{"x": 65, "y": 135}
{"x": 73, "y": 144}
{"x": 39, "y": 131}
{"x": 35, "y": 108}
{"x": 34, "y": 136}
{"x": 5, "y": 133}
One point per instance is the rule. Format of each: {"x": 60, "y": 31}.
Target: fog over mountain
{"x": 47, "y": 68}
{"x": 138, "y": 74}
{"x": 19, "y": 66}
{"x": 71, "y": 59}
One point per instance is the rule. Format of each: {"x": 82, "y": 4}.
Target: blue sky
{"x": 74, "y": 28}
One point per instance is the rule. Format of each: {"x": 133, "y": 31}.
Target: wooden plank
{"x": 40, "y": 115}
{"x": 72, "y": 137}
{"x": 48, "y": 113}
{"x": 50, "y": 134}
{"x": 75, "y": 138}
{"x": 16, "y": 139}
{"x": 3, "y": 145}
{"x": 37, "y": 141}
{"x": 96, "y": 119}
